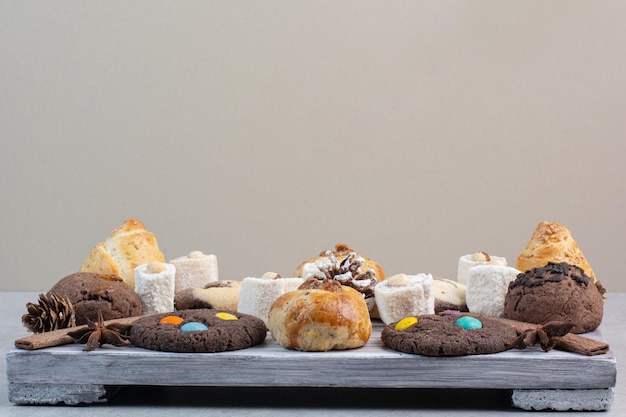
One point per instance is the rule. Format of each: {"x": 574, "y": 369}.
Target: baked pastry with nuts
{"x": 321, "y": 315}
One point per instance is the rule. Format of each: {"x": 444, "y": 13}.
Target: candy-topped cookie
{"x": 458, "y": 334}
{"x": 202, "y": 330}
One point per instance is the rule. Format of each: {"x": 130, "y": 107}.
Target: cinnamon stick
{"x": 570, "y": 342}
{"x": 60, "y": 337}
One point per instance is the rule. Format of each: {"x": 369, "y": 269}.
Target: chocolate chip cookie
{"x": 201, "y": 330}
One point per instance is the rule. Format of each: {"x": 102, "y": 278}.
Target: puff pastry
{"x": 552, "y": 242}
{"x": 129, "y": 246}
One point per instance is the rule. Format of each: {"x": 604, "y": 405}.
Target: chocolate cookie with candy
{"x": 203, "y": 330}
{"x": 458, "y": 334}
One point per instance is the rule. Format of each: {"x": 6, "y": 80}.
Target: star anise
{"x": 98, "y": 334}
{"x": 547, "y": 336}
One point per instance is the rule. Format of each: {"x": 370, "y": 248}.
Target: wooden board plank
{"x": 269, "y": 364}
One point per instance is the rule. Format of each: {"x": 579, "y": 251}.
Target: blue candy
{"x": 193, "y": 326}
{"x": 469, "y": 323}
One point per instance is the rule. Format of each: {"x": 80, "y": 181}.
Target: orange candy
{"x": 171, "y": 320}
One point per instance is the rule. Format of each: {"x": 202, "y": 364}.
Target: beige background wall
{"x": 266, "y": 132}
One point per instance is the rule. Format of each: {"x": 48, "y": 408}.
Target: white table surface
{"x": 200, "y": 401}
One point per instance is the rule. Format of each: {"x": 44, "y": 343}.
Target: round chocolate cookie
{"x": 556, "y": 292}
{"x": 448, "y": 335}
{"x": 91, "y": 292}
{"x": 201, "y": 330}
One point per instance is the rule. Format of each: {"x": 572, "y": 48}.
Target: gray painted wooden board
{"x": 54, "y": 375}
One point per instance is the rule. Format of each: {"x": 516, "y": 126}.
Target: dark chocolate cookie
{"x": 201, "y": 330}
{"x": 449, "y": 335}
{"x": 91, "y": 292}
{"x": 557, "y": 291}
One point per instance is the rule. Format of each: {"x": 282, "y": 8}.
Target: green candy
{"x": 469, "y": 323}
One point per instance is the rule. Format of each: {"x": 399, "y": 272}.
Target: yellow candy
{"x": 171, "y": 320}
{"x": 405, "y": 323}
{"x": 226, "y": 316}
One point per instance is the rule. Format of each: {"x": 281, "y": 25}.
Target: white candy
{"x": 156, "y": 290}
{"x": 195, "y": 270}
{"x": 486, "y": 288}
{"x": 466, "y": 262}
{"x": 395, "y": 302}
{"x": 258, "y": 294}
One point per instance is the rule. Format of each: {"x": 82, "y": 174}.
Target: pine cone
{"x": 53, "y": 312}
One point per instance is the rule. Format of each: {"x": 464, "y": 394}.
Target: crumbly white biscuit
{"x": 414, "y": 297}
{"x": 468, "y": 261}
{"x": 195, "y": 270}
{"x": 258, "y": 294}
{"x": 486, "y": 288}
{"x": 156, "y": 289}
